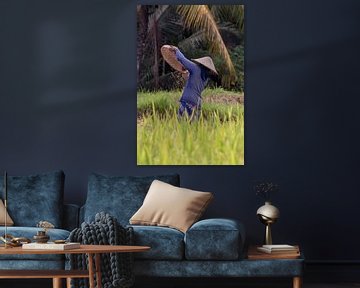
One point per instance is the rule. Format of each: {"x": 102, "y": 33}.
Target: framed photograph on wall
{"x": 190, "y": 84}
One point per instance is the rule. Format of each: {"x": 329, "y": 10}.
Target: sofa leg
{"x": 57, "y": 283}
{"x": 297, "y": 282}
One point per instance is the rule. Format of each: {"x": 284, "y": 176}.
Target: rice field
{"x": 217, "y": 138}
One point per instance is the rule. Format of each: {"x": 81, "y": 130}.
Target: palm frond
{"x": 230, "y": 28}
{"x": 193, "y": 41}
{"x": 230, "y": 13}
{"x": 155, "y": 17}
{"x": 200, "y": 17}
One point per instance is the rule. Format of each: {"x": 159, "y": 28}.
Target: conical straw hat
{"x": 207, "y": 62}
{"x": 170, "y": 58}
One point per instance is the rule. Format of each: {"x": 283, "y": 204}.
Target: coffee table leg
{"x": 98, "y": 270}
{"x": 68, "y": 282}
{"x": 57, "y": 283}
{"x": 91, "y": 270}
{"x": 297, "y": 282}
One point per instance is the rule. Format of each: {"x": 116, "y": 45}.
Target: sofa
{"x": 209, "y": 248}
{"x": 32, "y": 199}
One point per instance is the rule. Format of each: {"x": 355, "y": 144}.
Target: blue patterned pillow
{"x": 35, "y": 198}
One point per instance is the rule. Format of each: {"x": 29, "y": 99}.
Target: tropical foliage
{"x": 198, "y": 30}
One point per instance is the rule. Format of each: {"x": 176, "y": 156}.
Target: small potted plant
{"x": 265, "y": 189}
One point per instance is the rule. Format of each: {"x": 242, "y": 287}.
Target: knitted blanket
{"x": 116, "y": 268}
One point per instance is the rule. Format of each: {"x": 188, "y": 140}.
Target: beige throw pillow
{"x": 9, "y": 221}
{"x": 170, "y": 206}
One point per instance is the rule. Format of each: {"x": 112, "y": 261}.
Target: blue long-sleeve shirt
{"x": 196, "y": 81}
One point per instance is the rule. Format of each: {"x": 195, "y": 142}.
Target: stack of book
{"x": 279, "y": 249}
{"x": 274, "y": 252}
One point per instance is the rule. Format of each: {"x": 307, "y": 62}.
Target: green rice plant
{"x": 162, "y": 100}
{"x": 169, "y": 100}
{"x": 217, "y": 138}
{"x": 169, "y": 141}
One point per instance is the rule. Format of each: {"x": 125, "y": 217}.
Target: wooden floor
{"x": 45, "y": 283}
{"x": 255, "y": 284}
{"x": 339, "y": 285}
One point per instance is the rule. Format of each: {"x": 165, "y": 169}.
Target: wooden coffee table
{"x": 92, "y": 251}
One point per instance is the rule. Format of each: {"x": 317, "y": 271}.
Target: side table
{"x": 288, "y": 259}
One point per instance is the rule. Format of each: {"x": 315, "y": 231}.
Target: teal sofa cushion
{"x": 35, "y": 198}
{"x": 214, "y": 239}
{"x": 166, "y": 243}
{"x": 119, "y": 196}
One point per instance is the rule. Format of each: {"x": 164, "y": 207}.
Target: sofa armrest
{"x": 215, "y": 239}
{"x": 71, "y": 216}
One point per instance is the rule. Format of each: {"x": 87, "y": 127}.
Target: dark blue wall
{"x": 68, "y": 101}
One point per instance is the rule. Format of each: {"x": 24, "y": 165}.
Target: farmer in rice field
{"x": 198, "y": 71}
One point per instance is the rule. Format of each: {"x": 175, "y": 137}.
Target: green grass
{"x": 217, "y": 138}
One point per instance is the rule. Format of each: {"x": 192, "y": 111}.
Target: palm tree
{"x": 202, "y": 19}
{"x": 151, "y": 30}
{"x": 206, "y": 23}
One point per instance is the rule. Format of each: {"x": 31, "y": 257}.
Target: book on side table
{"x": 51, "y": 246}
{"x": 272, "y": 249}
{"x": 274, "y": 252}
